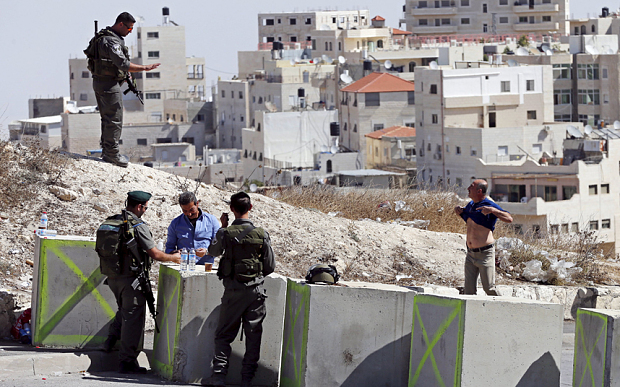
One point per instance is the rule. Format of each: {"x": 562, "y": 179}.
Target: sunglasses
{"x": 128, "y": 28}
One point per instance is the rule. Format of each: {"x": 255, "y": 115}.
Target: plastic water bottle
{"x": 43, "y": 221}
{"x": 192, "y": 260}
{"x": 184, "y": 259}
{"x": 160, "y": 245}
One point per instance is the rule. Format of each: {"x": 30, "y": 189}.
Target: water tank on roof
{"x": 301, "y": 92}
{"x": 334, "y": 129}
{"x": 605, "y": 12}
{"x": 367, "y": 65}
{"x": 165, "y": 11}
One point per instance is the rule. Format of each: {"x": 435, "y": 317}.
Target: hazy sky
{"x": 37, "y": 37}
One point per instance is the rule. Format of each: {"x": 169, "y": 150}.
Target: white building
{"x": 45, "y": 129}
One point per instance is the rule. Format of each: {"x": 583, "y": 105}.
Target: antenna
{"x": 512, "y": 63}
{"x": 433, "y": 65}
{"x": 342, "y": 59}
{"x": 522, "y": 51}
{"x": 346, "y": 78}
{"x": 588, "y": 129}
{"x": 573, "y": 131}
{"x": 387, "y": 64}
{"x": 616, "y": 124}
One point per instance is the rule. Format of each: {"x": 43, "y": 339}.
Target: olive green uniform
{"x": 128, "y": 324}
{"x": 241, "y": 303}
{"x": 111, "y": 65}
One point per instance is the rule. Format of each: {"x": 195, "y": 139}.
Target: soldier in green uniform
{"x": 109, "y": 63}
{"x": 128, "y": 324}
{"x": 247, "y": 259}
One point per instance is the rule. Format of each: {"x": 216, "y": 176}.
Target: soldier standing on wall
{"x": 108, "y": 61}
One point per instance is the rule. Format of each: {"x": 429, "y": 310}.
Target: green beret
{"x": 139, "y": 196}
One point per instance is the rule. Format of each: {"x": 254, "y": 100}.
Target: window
{"x": 561, "y": 97}
{"x": 503, "y": 2}
{"x": 423, "y": 22}
{"x": 502, "y": 150}
{"x": 555, "y": 229}
{"x": 142, "y": 141}
{"x": 548, "y": 193}
{"x": 152, "y": 95}
{"x": 605, "y": 98}
{"x": 153, "y": 54}
{"x": 464, "y": 3}
{"x": 421, "y": 4}
{"x": 458, "y": 150}
{"x": 355, "y": 128}
{"x": 269, "y": 22}
{"x": 240, "y": 95}
{"x": 604, "y": 189}
{"x": 574, "y": 227}
{"x": 485, "y": 28}
{"x": 536, "y": 148}
{"x": 85, "y": 74}
{"x": 224, "y": 94}
{"x": 411, "y": 97}
{"x": 484, "y": 8}
{"x": 593, "y": 189}
{"x": 376, "y": 127}
{"x": 200, "y": 117}
{"x": 165, "y": 140}
{"x": 606, "y": 223}
{"x": 604, "y": 72}
{"x": 529, "y": 85}
{"x": 588, "y": 97}
{"x": 587, "y": 71}
{"x": 433, "y": 89}
{"x": 435, "y": 118}
{"x": 505, "y": 86}
{"x": 292, "y": 21}
{"x": 83, "y": 97}
{"x": 594, "y": 225}
{"x": 372, "y": 99}
{"x": 308, "y": 21}
{"x": 473, "y": 151}
{"x": 564, "y": 228}
{"x": 445, "y": 22}
{"x": 568, "y": 191}
{"x": 503, "y": 20}
{"x": 152, "y": 75}
{"x": 152, "y": 35}
{"x": 465, "y": 20}
{"x": 531, "y": 114}
{"x": 522, "y": 19}
{"x": 561, "y": 71}
{"x": 562, "y": 117}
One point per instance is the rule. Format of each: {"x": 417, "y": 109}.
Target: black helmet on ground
{"x": 322, "y": 273}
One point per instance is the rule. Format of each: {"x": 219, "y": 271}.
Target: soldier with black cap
{"x": 128, "y": 324}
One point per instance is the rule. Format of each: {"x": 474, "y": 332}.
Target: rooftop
{"x": 379, "y": 83}
{"x": 393, "y": 131}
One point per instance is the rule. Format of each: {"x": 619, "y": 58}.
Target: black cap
{"x": 139, "y": 196}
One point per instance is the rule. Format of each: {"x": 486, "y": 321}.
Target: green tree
{"x": 523, "y": 41}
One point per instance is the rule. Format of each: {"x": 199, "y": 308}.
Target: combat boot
{"x": 246, "y": 383}
{"x": 215, "y": 380}
{"x": 109, "y": 344}
{"x": 119, "y": 160}
{"x": 131, "y": 367}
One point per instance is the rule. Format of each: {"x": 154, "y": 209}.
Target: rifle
{"x": 141, "y": 268}
{"x": 131, "y": 86}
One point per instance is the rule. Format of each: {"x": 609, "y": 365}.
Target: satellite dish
{"x": 324, "y": 148}
{"x": 333, "y": 150}
{"x": 341, "y": 59}
{"x": 548, "y": 52}
{"x": 433, "y": 65}
{"x": 616, "y": 124}
{"x": 573, "y": 131}
{"x": 522, "y": 51}
{"x": 590, "y": 49}
{"x": 325, "y": 27}
{"x": 346, "y": 78}
{"x": 512, "y": 63}
{"x": 610, "y": 51}
{"x": 387, "y": 64}
{"x": 327, "y": 59}
{"x": 253, "y": 187}
{"x": 588, "y": 129}
{"x": 271, "y": 107}
{"x": 316, "y": 60}
{"x": 544, "y": 47}
{"x": 292, "y": 62}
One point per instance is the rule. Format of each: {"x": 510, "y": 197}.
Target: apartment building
{"x": 375, "y": 102}
{"x": 497, "y": 114}
{"x": 298, "y": 27}
{"x": 390, "y": 147}
{"x": 452, "y": 17}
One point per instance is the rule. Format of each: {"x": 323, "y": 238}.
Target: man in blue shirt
{"x": 481, "y": 214}
{"x": 193, "y": 229}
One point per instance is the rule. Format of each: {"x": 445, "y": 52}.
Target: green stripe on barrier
{"x": 166, "y": 369}
{"x": 89, "y": 285}
{"x": 587, "y": 353}
{"x": 304, "y": 305}
{"x": 458, "y": 310}
{"x": 70, "y": 340}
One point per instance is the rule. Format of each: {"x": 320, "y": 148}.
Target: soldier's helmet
{"x": 322, "y": 273}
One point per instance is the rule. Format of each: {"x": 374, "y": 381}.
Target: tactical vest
{"x": 104, "y": 67}
{"x": 243, "y": 259}
{"x": 109, "y": 245}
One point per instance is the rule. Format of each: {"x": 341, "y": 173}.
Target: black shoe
{"x": 119, "y": 160}
{"x": 216, "y": 380}
{"x": 131, "y": 367}
{"x": 109, "y": 344}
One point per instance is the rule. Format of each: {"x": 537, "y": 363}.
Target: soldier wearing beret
{"x": 109, "y": 63}
{"x": 128, "y": 324}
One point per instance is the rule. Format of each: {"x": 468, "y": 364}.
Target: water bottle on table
{"x": 184, "y": 259}
{"x": 192, "y": 260}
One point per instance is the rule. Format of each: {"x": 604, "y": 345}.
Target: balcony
{"x": 543, "y": 26}
{"x": 435, "y": 30}
{"x": 536, "y": 8}
{"x": 417, "y": 12}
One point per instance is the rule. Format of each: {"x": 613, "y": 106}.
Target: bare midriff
{"x": 477, "y": 235}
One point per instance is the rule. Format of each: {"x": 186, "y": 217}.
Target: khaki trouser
{"x": 128, "y": 324}
{"x": 480, "y": 263}
{"x": 110, "y": 103}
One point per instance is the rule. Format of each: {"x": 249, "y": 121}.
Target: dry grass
{"x": 434, "y": 206}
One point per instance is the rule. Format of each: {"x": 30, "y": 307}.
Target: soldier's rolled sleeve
{"x": 216, "y": 248}
{"x": 113, "y": 51}
{"x": 144, "y": 237}
{"x": 269, "y": 262}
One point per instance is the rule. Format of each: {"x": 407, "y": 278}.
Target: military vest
{"x": 243, "y": 259}
{"x": 104, "y": 67}
{"x": 110, "y": 244}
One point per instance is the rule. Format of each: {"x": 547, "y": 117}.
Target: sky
{"x": 38, "y": 37}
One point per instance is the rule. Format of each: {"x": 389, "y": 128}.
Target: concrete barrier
{"x": 188, "y": 305}
{"x": 485, "y": 341}
{"x": 71, "y": 307}
{"x": 597, "y": 348}
{"x": 346, "y": 336}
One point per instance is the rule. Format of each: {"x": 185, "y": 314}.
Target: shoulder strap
{"x": 243, "y": 234}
